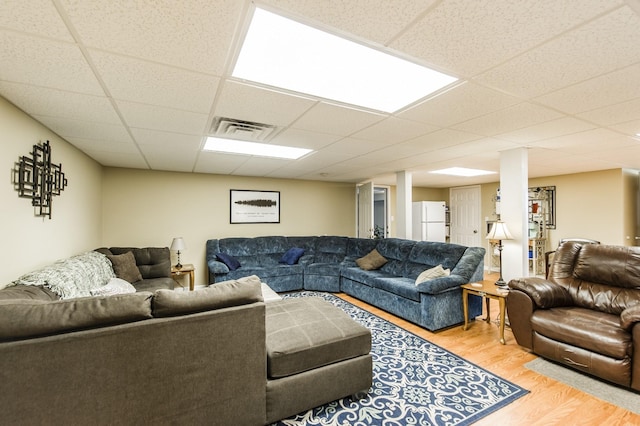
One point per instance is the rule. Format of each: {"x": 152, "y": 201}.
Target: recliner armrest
{"x": 545, "y": 294}
{"x": 629, "y": 317}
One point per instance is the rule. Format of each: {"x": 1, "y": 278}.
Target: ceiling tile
{"x": 160, "y": 118}
{"x": 189, "y": 34}
{"x": 148, "y": 139}
{"x": 393, "y": 130}
{"x": 97, "y": 145}
{"x": 614, "y": 114}
{"x": 617, "y": 86}
{"x": 115, "y": 159}
{"x": 470, "y": 36}
{"x": 175, "y": 160}
{"x": 70, "y": 129}
{"x": 547, "y": 130}
{"x": 146, "y": 82}
{"x": 251, "y": 103}
{"x": 336, "y": 120}
{"x": 596, "y": 48}
{"x": 51, "y": 102}
{"x": 216, "y": 163}
{"x": 459, "y": 104}
{"x": 35, "y": 17}
{"x": 47, "y": 63}
{"x": 304, "y": 139}
{"x": 509, "y": 119}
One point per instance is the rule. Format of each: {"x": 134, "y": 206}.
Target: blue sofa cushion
{"x": 396, "y": 251}
{"x": 231, "y": 262}
{"x": 326, "y": 269}
{"x": 404, "y": 287}
{"x": 292, "y": 256}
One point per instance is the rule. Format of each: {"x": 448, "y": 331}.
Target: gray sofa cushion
{"x": 221, "y": 295}
{"x": 307, "y": 333}
{"x": 124, "y": 266}
{"x": 29, "y": 318}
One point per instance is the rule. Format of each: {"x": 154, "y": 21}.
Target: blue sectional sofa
{"x": 328, "y": 263}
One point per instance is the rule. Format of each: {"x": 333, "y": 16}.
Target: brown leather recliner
{"x": 586, "y": 314}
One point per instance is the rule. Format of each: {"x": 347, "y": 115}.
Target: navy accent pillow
{"x": 292, "y": 255}
{"x": 231, "y": 262}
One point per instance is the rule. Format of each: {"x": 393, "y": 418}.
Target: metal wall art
{"x": 35, "y": 177}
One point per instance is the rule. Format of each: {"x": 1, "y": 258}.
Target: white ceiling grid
{"x": 137, "y": 83}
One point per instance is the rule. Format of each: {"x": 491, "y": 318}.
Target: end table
{"x": 487, "y": 291}
{"x": 175, "y": 272}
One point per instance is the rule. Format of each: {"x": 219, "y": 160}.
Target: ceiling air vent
{"x": 239, "y": 129}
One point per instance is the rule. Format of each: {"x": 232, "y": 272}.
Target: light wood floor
{"x": 548, "y": 403}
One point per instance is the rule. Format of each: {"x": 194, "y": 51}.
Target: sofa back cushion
{"x": 601, "y": 277}
{"x": 255, "y": 252}
{"x": 242, "y": 291}
{"x": 20, "y": 319}
{"x": 153, "y": 262}
{"x": 330, "y": 249}
{"x": 428, "y": 254}
{"x": 396, "y": 251}
{"x": 358, "y": 247}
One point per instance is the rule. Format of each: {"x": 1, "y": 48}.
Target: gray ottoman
{"x": 315, "y": 354}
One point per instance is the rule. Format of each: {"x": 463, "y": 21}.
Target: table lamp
{"x": 176, "y": 245}
{"x": 499, "y": 231}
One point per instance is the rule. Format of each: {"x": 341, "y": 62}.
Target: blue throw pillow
{"x": 292, "y": 255}
{"x": 231, "y": 262}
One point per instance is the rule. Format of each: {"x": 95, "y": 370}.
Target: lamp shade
{"x": 178, "y": 244}
{"x": 499, "y": 231}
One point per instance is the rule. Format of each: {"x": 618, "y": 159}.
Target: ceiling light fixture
{"x": 283, "y": 53}
{"x": 462, "y": 171}
{"x": 232, "y": 146}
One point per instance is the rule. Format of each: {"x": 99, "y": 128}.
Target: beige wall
{"x": 111, "y": 206}
{"x": 148, "y": 208}
{"x": 30, "y": 242}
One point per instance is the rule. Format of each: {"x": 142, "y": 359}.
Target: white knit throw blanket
{"x": 73, "y": 277}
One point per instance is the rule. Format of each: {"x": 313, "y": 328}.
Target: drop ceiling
{"x": 138, "y": 84}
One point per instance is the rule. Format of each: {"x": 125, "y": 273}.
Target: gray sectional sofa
{"x": 329, "y": 264}
{"x": 217, "y": 355}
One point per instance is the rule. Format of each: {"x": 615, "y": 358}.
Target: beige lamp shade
{"x": 499, "y": 231}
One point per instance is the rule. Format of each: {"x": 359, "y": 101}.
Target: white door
{"x": 466, "y": 218}
{"x": 364, "y": 206}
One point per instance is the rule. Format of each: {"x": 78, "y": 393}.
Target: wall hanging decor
{"x": 255, "y": 206}
{"x": 35, "y": 177}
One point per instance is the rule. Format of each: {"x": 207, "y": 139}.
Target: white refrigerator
{"x": 429, "y": 221}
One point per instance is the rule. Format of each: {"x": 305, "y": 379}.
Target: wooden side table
{"x": 487, "y": 291}
{"x": 175, "y": 272}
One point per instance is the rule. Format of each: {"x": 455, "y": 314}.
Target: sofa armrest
{"x": 630, "y": 316}
{"x": 441, "y": 284}
{"x": 216, "y": 267}
{"x": 545, "y": 294}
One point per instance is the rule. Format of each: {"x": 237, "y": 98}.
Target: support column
{"x": 514, "y": 184}
{"x": 404, "y": 188}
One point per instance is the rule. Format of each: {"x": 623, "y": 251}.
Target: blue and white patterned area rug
{"x": 415, "y": 382}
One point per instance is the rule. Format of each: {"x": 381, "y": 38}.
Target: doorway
{"x": 465, "y": 207}
{"x": 381, "y": 211}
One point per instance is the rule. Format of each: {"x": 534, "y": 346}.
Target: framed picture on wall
{"x": 254, "y": 206}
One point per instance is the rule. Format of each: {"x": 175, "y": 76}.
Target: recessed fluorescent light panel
{"x": 283, "y": 53}
{"x": 232, "y": 146}
{"x": 461, "y": 171}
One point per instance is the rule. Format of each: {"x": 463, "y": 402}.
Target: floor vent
{"x": 239, "y": 129}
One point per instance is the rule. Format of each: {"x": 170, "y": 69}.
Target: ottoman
{"x": 315, "y": 354}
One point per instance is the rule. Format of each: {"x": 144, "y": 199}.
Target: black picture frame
{"x": 248, "y": 206}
